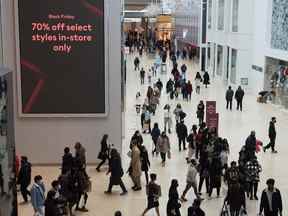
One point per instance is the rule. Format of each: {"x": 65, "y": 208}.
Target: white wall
{"x": 43, "y": 139}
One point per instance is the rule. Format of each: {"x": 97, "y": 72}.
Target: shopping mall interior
{"x": 165, "y": 100}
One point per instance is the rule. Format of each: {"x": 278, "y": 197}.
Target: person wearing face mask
{"x": 271, "y": 201}
{"x": 38, "y": 196}
{"x": 272, "y": 136}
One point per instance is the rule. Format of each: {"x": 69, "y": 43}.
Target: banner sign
{"x": 212, "y": 118}
{"x": 61, "y": 57}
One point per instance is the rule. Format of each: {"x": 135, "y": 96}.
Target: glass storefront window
{"x": 219, "y": 59}
{"x": 233, "y": 66}
{"x": 209, "y": 14}
{"x": 235, "y": 8}
{"x": 221, "y": 8}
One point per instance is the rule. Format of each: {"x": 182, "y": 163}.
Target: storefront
{"x": 276, "y": 79}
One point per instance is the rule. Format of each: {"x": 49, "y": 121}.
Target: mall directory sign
{"x": 61, "y": 58}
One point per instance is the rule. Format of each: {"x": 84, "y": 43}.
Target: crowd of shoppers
{"x": 207, "y": 158}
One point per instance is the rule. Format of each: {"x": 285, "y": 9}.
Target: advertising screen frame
{"x": 106, "y": 37}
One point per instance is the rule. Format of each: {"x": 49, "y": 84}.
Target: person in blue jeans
{"x": 38, "y": 196}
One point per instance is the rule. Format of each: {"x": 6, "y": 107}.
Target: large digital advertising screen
{"x": 61, "y": 58}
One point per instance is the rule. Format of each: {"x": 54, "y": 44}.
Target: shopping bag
{"x": 169, "y": 155}
{"x": 225, "y": 211}
{"x": 259, "y": 145}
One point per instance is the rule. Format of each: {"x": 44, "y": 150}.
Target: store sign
{"x": 244, "y": 81}
{"x": 257, "y": 68}
{"x": 61, "y": 58}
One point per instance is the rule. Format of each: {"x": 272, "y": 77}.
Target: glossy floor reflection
{"x": 235, "y": 126}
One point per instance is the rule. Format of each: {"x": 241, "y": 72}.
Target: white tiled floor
{"x": 233, "y": 125}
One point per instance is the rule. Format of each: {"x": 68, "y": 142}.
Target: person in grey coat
{"x": 229, "y": 97}
{"x": 163, "y": 146}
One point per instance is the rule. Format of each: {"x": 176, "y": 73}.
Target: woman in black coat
{"x": 173, "y": 205}
{"x": 215, "y": 173}
{"x": 206, "y": 79}
{"x": 200, "y": 112}
{"x": 116, "y": 170}
{"x": 145, "y": 163}
{"x": 104, "y": 152}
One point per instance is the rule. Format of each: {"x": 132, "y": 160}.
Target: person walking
{"x": 153, "y": 192}
{"x": 136, "y": 63}
{"x": 167, "y": 118}
{"x": 189, "y": 89}
{"x": 24, "y": 178}
{"x": 200, "y": 112}
{"x": 183, "y": 71}
{"x": 145, "y": 162}
{"x": 142, "y": 76}
{"x": 198, "y": 80}
{"x": 191, "y": 139}
{"x": 206, "y": 79}
{"x": 116, "y": 172}
{"x": 135, "y": 167}
{"x": 182, "y": 133}
{"x": 271, "y": 201}
{"x": 204, "y": 171}
{"x": 236, "y": 199}
{"x": 272, "y": 136}
{"x": 38, "y": 196}
{"x": 155, "y": 133}
{"x": 191, "y": 181}
{"x": 173, "y": 205}
{"x": 253, "y": 169}
{"x": 239, "y": 94}
{"x": 80, "y": 155}
{"x": 229, "y": 97}
{"x": 177, "y": 111}
{"x": 104, "y": 152}
{"x": 67, "y": 161}
{"x": 163, "y": 146}
{"x": 195, "y": 209}
{"x": 215, "y": 173}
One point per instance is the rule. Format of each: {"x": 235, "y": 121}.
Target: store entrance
{"x": 276, "y": 79}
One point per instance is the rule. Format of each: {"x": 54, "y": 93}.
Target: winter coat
{"x": 272, "y": 130}
{"x": 24, "y": 176}
{"x": 163, "y": 144}
{"x": 229, "y": 95}
{"x": 239, "y": 94}
{"x": 155, "y": 133}
{"x": 181, "y": 130}
{"x": 252, "y": 171}
{"x": 116, "y": 170}
{"x": 136, "y": 162}
{"x": 191, "y": 174}
{"x": 236, "y": 197}
{"x": 206, "y": 79}
{"x": 200, "y": 110}
{"x": 145, "y": 163}
{"x": 276, "y": 202}
{"x": 67, "y": 162}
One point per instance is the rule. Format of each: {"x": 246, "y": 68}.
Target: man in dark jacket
{"x": 67, "y": 161}
{"x": 229, "y": 97}
{"x": 142, "y": 76}
{"x": 24, "y": 177}
{"x": 272, "y": 136}
{"x": 271, "y": 201}
{"x": 250, "y": 145}
{"x": 195, "y": 209}
{"x": 137, "y": 63}
{"x": 182, "y": 134}
{"x": 159, "y": 85}
{"x": 239, "y": 94}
